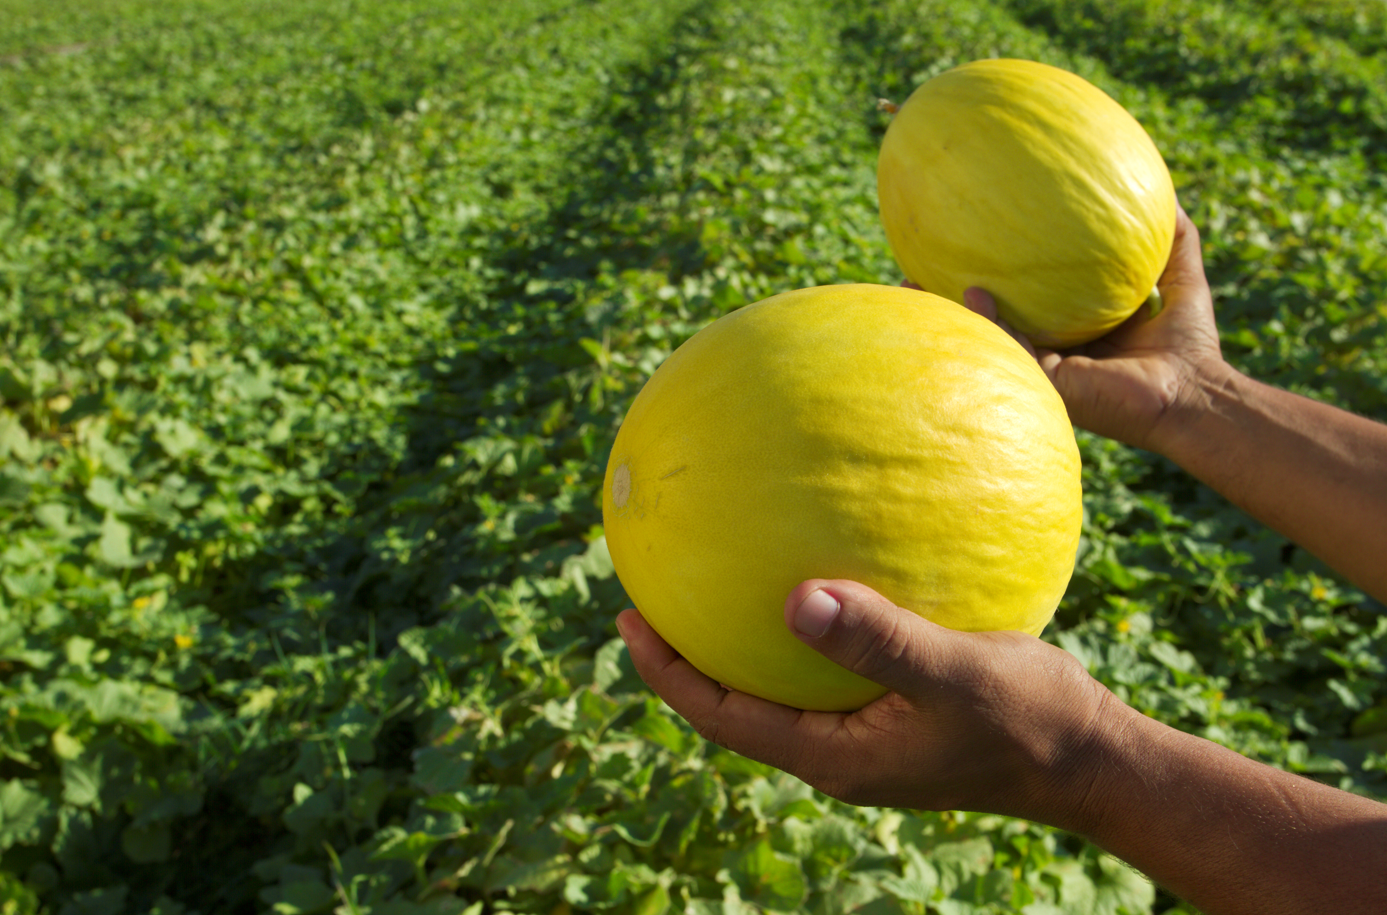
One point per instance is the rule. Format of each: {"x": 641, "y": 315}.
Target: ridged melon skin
{"x": 1032, "y": 183}
{"x": 864, "y": 432}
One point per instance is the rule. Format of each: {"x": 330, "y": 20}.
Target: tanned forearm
{"x": 1310, "y": 471}
{"x": 1232, "y": 836}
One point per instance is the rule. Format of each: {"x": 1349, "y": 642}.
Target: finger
{"x": 1016, "y": 335}
{"x": 980, "y": 301}
{"x": 857, "y": 628}
{"x": 775, "y": 734}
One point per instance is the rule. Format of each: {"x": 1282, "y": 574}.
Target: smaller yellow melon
{"x": 871, "y": 433}
{"x": 1032, "y": 183}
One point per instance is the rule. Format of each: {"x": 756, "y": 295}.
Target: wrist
{"x": 1085, "y": 782}
{"x": 1178, "y": 430}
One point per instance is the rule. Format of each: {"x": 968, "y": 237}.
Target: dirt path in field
{"x": 61, "y": 49}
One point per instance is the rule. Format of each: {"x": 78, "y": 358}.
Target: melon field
{"x": 317, "y": 322}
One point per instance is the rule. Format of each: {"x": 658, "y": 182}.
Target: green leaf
{"x": 16, "y": 898}
{"x": 301, "y": 898}
{"x": 105, "y": 901}
{"x": 147, "y": 844}
{"x": 104, "y": 493}
{"x": 176, "y": 437}
{"x": 114, "y": 547}
{"x": 441, "y": 770}
{"x": 533, "y": 876}
{"x": 1076, "y": 890}
{"x": 959, "y": 862}
{"x": 26, "y": 814}
{"x": 83, "y": 780}
{"x": 136, "y": 703}
{"x": 397, "y": 844}
{"x": 28, "y": 585}
{"x": 14, "y": 492}
{"x": 14, "y": 387}
{"x": 768, "y": 878}
{"x": 1172, "y": 657}
{"x": 309, "y": 811}
{"x": 919, "y": 881}
{"x": 656, "y": 727}
{"x": 610, "y": 664}
{"x": 655, "y": 902}
{"x": 1122, "y": 890}
{"x": 631, "y": 831}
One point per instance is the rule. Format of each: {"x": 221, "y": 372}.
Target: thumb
{"x": 857, "y": 628}
{"x": 1186, "y": 265}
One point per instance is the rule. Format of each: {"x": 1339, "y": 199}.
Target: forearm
{"x": 1231, "y": 835}
{"x": 1314, "y": 473}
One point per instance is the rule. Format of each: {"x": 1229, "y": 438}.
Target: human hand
{"x": 1138, "y": 383}
{"x": 999, "y": 722}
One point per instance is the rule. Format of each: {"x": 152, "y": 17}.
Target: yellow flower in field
{"x": 1124, "y": 625}
{"x": 140, "y": 603}
{"x": 1319, "y": 592}
{"x": 183, "y": 642}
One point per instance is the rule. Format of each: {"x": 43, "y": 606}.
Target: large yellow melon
{"x": 871, "y": 433}
{"x": 1032, "y": 183}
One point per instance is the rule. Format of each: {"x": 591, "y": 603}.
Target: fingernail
{"x": 815, "y": 613}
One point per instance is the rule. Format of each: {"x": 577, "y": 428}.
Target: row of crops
{"x": 317, "y": 321}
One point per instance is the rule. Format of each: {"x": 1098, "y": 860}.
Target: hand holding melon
{"x": 1029, "y": 182}
{"x": 871, "y": 433}
{"x": 992, "y": 721}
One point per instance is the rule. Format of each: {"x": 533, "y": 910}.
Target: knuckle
{"x": 709, "y": 725}
{"x": 880, "y": 648}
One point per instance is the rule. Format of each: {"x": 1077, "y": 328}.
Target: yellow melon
{"x": 872, "y": 433}
{"x": 1032, "y": 183}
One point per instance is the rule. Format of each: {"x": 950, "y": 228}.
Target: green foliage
{"x": 317, "y": 322}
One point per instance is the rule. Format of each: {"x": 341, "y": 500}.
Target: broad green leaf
{"x": 655, "y": 902}
{"x": 114, "y": 700}
{"x": 657, "y": 727}
{"x": 441, "y": 770}
{"x": 15, "y": 442}
{"x": 1122, "y": 890}
{"x": 609, "y": 664}
{"x": 147, "y": 844}
{"x": 310, "y": 810}
{"x": 176, "y": 436}
{"x": 114, "y": 548}
{"x": 1172, "y": 657}
{"x": 641, "y": 834}
{"x": 26, "y": 814}
{"x": 396, "y": 844}
{"x": 14, "y": 492}
{"x": 1077, "y": 892}
{"x": 768, "y": 878}
{"x": 535, "y": 876}
{"x": 301, "y": 898}
{"x": 83, "y": 780}
{"x": 105, "y": 493}
{"x": 959, "y": 862}
{"x": 30, "y": 584}
{"x": 105, "y": 901}
{"x": 18, "y": 898}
